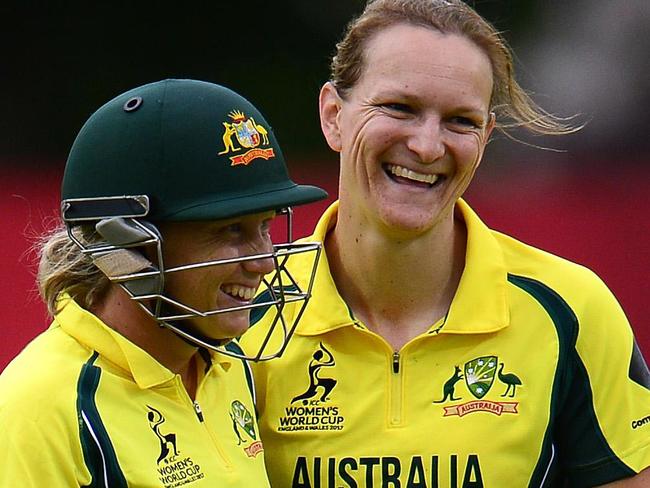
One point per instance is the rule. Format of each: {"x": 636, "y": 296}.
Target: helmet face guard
{"x": 116, "y": 254}
{"x": 181, "y": 151}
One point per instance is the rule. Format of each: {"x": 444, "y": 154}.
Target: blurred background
{"x": 585, "y": 197}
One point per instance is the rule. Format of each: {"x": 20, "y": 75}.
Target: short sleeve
{"x": 603, "y": 429}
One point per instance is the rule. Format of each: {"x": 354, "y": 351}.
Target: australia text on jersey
{"x": 454, "y": 471}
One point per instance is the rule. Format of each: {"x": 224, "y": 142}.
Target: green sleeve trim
{"x": 99, "y": 455}
{"x": 574, "y": 450}
{"x": 638, "y": 371}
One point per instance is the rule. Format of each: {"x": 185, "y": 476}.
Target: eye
{"x": 234, "y": 228}
{"x": 265, "y": 228}
{"x": 228, "y": 232}
{"x": 465, "y": 122}
{"x": 397, "y": 107}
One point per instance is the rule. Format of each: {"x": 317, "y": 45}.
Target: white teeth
{"x": 412, "y": 175}
{"x": 238, "y": 291}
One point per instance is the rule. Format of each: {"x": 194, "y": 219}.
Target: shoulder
{"x": 574, "y": 282}
{"x": 43, "y": 378}
{"x": 580, "y": 304}
{"x": 505, "y": 255}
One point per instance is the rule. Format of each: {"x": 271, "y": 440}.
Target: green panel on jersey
{"x": 571, "y": 378}
{"x": 638, "y": 371}
{"x": 97, "y": 448}
{"x": 265, "y": 296}
{"x": 232, "y": 346}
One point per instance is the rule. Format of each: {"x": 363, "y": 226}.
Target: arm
{"x": 641, "y": 480}
{"x": 599, "y": 432}
{"x": 34, "y": 454}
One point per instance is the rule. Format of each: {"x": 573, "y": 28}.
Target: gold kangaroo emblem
{"x": 227, "y": 138}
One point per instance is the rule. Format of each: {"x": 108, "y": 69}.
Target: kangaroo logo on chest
{"x": 450, "y": 386}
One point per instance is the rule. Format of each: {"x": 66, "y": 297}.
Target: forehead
{"x": 202, "y": 226}
{"x": 405, "y": 55}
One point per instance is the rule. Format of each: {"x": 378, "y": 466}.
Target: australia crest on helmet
{"x": 246, "y": 139}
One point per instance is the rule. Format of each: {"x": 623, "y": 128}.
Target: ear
{"x": 329, "y": 104}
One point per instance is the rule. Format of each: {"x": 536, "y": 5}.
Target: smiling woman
{"x": 455, "y": 352}
{"x": 393, "y": 129}
{"x": 227, "y": 286}
{"x": 150, "y": 279}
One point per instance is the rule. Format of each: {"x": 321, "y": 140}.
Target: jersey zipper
{"x": 396, "y": 391}
{"x": 394, "y": 406}
{"x": 199, "y": 414}
{"x": 396, "y": 362}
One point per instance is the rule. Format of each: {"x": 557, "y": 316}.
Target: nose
{"x": 426, "y": 140}
{"x": 260, "y": 266}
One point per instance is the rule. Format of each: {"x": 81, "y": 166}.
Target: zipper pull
{"x": 396, "y": 362}
{"x": 198, "y": 411}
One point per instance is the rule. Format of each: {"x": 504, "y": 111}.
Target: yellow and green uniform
{"x": 532, "y": 379}
{"x": 83, "y": 406}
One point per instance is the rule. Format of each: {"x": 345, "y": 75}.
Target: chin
{"x": 410, "y": 221}
{"x": 225, "y": 326}
{"x": 233, "y": 332}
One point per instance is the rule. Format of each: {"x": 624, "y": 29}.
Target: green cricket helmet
{"x": 180, "y": 150}
{"x": 199, "y": 151}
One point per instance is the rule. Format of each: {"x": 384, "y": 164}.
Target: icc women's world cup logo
{"x": 312, "y": 408}
{"x": 321, "y": 358}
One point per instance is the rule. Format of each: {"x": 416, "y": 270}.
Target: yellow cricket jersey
{"x": 532, "y": 379}
{"x": 83, "y": 406}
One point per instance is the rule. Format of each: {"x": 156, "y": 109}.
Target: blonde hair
{"x": 63, "y": 268}
{"x": 509, "y": 101}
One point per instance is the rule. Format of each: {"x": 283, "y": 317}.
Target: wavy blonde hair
{"x": 63, "y": 268}
{"x": 509, "y": 101}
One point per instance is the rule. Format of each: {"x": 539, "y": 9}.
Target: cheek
{"x": 197, "y": 287}
{"x": 469, "y": 149}
{"x": 480, "y": 141}
{"x": 385, "y": 131}
{"x": 180, "y": 255}
{"x": 364, "y": 131}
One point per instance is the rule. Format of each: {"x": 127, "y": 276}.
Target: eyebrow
{"x": 398, "y": 92}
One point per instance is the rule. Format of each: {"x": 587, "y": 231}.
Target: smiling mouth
{"x": 400, "y": 174}
{"x": 242, "y": 293}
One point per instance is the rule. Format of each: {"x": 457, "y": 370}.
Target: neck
{"x": 399, "y": 286}
{"x": 124, "y": 315}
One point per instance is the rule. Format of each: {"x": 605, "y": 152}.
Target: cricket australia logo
{"x": 173, "y": 469}
{"x": 314, "y": 411}
{"x": 479, "y": 375}
{"x": 248, "y": 135}
{"x": 243, "y": 421}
